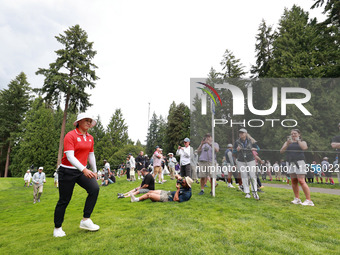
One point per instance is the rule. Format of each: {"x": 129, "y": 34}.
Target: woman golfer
{"x": 294, "y": 147}
{"x": 78, "y": 149}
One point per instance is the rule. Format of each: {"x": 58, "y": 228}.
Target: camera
{"x": 180, "y": 181}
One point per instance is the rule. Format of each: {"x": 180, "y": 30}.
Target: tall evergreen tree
{"x": 263, "y": 49}
{"x": 69, "y": 76}
{"x": 332, "y": 8}
{"x": 294, "y": 46}
{"x": 14, "y": 103}
{"x": 231, "y": 66}
{"x": 153, "y": 135}
{"x": 178, "y": 126}
{"x": 38, "y": 142}
{"x": 117, "y": 130}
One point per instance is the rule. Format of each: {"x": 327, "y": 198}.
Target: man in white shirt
{"x": 39, "y": 179}
{"x": 184, "y": 153}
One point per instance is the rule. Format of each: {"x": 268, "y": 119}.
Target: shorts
{"x": 164, "y": 196}
{"x": 229, "y": 169}
{"x": 206, "y": 169}
{"x": 132, "y": 171}
{"x": 328, "y": 174}
{"x": 301, "y": 169}
{"x": 142, "y": 191}
{"x": 157, "y": 169}
{"x": 106, "y": 176}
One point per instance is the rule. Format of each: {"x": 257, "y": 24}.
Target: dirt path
{"x": 312, "y": 189}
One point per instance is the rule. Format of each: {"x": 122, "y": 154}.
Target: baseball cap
{"x": 229, "y": 145}
{"x": 41, "y": 168}
{"x": 243, "y": 130}
{"x": 187, "y": 140}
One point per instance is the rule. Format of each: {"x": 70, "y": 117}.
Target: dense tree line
{"x": 300, "y": 47}
{"x": 169, "y": 133}
{"x": 33, "y": 124}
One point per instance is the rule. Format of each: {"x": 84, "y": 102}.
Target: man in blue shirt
{"x": 182, "y": 194}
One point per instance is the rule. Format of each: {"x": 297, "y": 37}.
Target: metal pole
{"x": 213, "y": 180}
{"x": 148, "y": 115}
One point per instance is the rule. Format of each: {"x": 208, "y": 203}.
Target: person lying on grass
{"x": 182, "y": 194}
{"x": 148, "y": 184}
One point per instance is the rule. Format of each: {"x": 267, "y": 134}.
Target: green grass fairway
{"x": 226, "y": 224}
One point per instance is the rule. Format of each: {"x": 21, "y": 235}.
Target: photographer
{"x": 182, "y": 194}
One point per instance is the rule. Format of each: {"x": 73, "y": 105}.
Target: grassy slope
{"x": 228, "y": 223}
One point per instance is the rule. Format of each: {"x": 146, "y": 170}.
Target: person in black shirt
{"x": 147, "y": 184}
{"x": 182, "y": 194}
{"x": 140, "y": 163}
{"x": 294, "y": 147}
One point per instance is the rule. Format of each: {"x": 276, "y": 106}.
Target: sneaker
{"x": 256, "y": 196}
{"x": 38, "y": 200}
{"x": 205, "y": 186}
{"x": 296, "y": 201}
{"x": 160, "y": 182}
{"x": 230, "y": 186}
{"x": 247, "y": 195}
{"x": 201, "y": 192}
{"x": 88, "y": 225}
{"x": 240, "y": 187}
{"x": 58, "y": 232}
{"x": 197, "y": 182}
{"x": 133, "y": 198}
{"x": 121, "y": 196}
{"x": 34, "y": 202}
{"x": 308, "y": 202}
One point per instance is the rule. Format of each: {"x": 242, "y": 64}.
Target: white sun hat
{"x": 85, "y": 116}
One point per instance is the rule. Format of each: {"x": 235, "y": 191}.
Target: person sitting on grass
{"x": 147, "y": 184}
{"x": 182, "y": 194}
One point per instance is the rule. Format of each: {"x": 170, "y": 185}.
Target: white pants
{"x": 248, "y": 169}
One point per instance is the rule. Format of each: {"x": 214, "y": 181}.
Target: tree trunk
{"x": 7, "y": 160}
{"x": 62, "y": 132}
